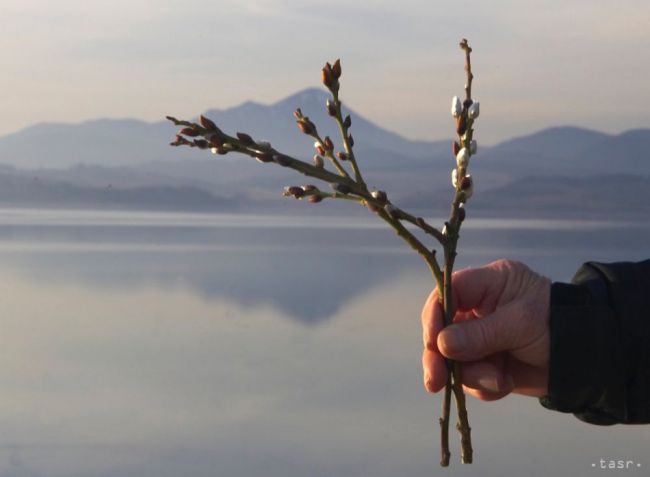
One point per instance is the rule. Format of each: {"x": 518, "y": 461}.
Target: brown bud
{"x": 216, "y": 141}
{"x": 297, "y": 113}
{"x": 179, "y": 141}
{"x": 379, "y": 196}
{"x": 331, "y": 109}
{"x": 264, "y": 157}
{"x": 342, "y": 188}
{"x": 455, "y": 148}
{"x": 461, "y": 125}
{"x": 207, "y": 123}
{"x": 420, "y": 222}
{"x": 318, "y": 161}
{"x": 326, "y": 75}
{"x": 466, "y": 183}
{"x": 245, "y": 138}
{"x": 336, "y": 69}
{"x": 296, "y": 191}
{"x": 221, "y": 151}
{"x": 315, "y": 199}
{"x": 191, "y": 132}
{"x": 320, "y": 150}
{"x": 201, "y": 143}
{"x": 461, "y": 214}
{"x": 350, "y": 140}
{"x": 329, "y": 145}
{"x": 341, "y": 155}
{"x": 309, "y": 188}
{"x": 306, "y": 126}
{"x": 467, "y": 103}
{"x": 347, "y": 122}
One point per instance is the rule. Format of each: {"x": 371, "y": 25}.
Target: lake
{"x": 155, "y": 344}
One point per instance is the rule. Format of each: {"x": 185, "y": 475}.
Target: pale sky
{"x": 537, "y": 63}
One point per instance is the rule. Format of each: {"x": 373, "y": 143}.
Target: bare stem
{"x": 454, "y": 381}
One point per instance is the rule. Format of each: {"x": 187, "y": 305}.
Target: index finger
{"x": 433, "y": 363}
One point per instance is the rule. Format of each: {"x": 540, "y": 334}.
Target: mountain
{"x": 124, "y": 142}
{"x": 79, "y": 163}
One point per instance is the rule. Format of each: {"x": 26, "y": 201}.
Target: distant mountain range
{"x": 128, "y": 164}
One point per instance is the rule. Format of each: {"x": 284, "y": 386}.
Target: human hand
{"x": 500, "y": 333}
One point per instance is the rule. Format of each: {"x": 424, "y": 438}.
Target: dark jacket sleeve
{"x": 599, "y": 366}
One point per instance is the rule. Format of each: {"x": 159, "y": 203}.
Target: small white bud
{"x": 214, "y": 150}
{"x": 474, "y": 110}
{"x": 473, "y": 147}
{"x": 456, "y": 106}
{"x": 317, "y": 144}
{"x": 462, "y": 158}
{"x": 454, "y": 178}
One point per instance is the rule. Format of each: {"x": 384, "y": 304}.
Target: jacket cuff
{"x": 583, "y": 355}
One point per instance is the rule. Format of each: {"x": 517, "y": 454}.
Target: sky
{"x": 536, "y": 63}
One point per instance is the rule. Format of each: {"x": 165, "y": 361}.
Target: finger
{"x": 486, "y": 376}
{"x": 479, "y": 289}
{"x": 434, "y": 370}
{"x": 472, "y": 340}
{"x": 432, "y": 321}
{"x": 484, "y": 395}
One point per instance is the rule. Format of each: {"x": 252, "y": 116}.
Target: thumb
{"x": 471, "y": 340}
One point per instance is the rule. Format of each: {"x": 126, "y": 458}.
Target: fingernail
{"x": 488, "y": 383}
{"x": 428, "y": 383}
{"x": 454, "y": 339}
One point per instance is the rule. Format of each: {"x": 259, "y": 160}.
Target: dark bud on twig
{"x": 461, "y": 213}
{"x": 455, "y": 148}
{"x": 342, "y": 188}
{"x": 295, "y": 191}
{"x": 216, "y": 141}
{"x": 245, "y": 138}
{"x": 319, "y": 148}
{"x": 336, "y": 69}
{"x": 201, "y": 143}
{"x": 393, "y": 211}
{"x": 306, "y": 126}
{"x": 341, "y": 155}
{"x": 350, "y": 140}
{"x": 326, "y": 76}
{"x": 264, "y": 157}
{"x": 466, "y": 183}
{"x": 207, "y": 123}
{"x": 467, "y": 103}
{"x": 281, "y": 160}
{"x": 191, "y": 132}
{"x": 379, "y": 196}
{"x": 179, "y": 141}
{"x": 420, "y": 222}
{"x": 461, "y": 125}
{"x": 315, "y": 199}
{"x": 318, "y": 161}
{"x": 331, "y": 109}
{"x": 297, "y": 113}
{"x": 327, "y": 142}
{"x": 309, "y": 188}
{"x": 347, "y": 122}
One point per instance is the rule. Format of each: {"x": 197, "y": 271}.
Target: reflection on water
{"x": 137, "y": 344}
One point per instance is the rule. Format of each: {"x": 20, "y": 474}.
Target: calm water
{"x": 200, "y": 345}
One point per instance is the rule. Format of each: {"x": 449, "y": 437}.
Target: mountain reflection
{"x": 304, "y": 270}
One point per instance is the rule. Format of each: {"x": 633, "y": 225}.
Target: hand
{"x": 500, "y": 334}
